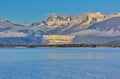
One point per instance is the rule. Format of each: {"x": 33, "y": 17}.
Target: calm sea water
{"x": 60, "y": 63}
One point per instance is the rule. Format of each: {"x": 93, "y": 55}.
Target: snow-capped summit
{"x": 16, "y": 34}
{"x": 95, "y": 24}
{"x": 66, "y": 24}
{"x": 98, "y": 16}
{"x": 38, "y": 26}
{"x": 58, "y": 18}
{"x": 4, "y": 21}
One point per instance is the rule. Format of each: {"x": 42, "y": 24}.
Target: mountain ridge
{"x": 89, "y": 28}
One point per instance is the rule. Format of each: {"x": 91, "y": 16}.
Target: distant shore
{"x": 59, "y": 46}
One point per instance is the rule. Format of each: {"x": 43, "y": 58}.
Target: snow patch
{"x": 13, "y": 34}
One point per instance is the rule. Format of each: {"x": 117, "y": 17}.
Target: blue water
{"x": 60, "y": 63}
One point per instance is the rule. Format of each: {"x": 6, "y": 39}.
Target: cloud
{"x": 110, "y": 33}
{"x": 88, "y": 32}
{"x": 12, "y": 34}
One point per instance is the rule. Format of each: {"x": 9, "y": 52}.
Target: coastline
{"x": 61, "y": 46}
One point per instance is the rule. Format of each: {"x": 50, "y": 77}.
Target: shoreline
{"x": 61, "y": 46}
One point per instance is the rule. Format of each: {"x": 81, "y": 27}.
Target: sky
{"x": 29, "y": 11}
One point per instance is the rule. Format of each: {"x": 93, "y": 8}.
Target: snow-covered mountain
{"x": 9, "y": 29}
{"x": 64, "y": 24}
{"x": 11, "y": 33}
{"x": 88, "y": 28}
{"x": 107, "y": 25}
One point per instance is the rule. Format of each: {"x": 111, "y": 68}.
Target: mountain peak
{"x": 9, "y": 22}
{"x": 3, "y": 20}
{"x": 75, "y": 23}
{"x": 57, "y": 17}
{"x": 97, "y": 15}
{"x": 55, "y": 20}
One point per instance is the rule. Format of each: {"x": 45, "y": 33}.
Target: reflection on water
{"x": 88, "y": 56}
{"x": 60, "y": 53}
{"x": 60, "y": 63}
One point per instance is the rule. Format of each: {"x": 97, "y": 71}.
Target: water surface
{"x": 60, "y": 63}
